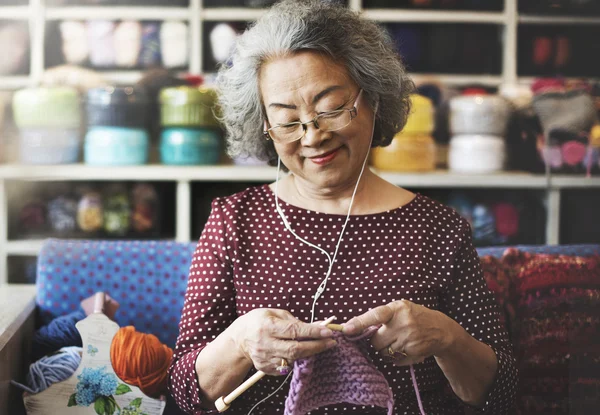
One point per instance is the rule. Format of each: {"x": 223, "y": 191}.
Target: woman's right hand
{"x": 266, "y": 335}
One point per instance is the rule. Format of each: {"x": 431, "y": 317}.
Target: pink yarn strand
{"x": 414, "y": 380}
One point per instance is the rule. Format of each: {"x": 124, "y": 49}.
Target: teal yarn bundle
{"x": 51, "y": 369}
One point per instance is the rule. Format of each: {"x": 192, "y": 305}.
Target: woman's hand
{"x": 265, "y": 336}
{"x": 406, "y": 328}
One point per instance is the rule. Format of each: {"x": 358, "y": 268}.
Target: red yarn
{"x": 475, "y": 91}
{"x": 547, "y": 84}
{"x": 141, "y": 360}
{"x": 507, "y": 219}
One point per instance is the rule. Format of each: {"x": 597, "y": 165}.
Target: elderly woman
{"x": 311, "y": 88}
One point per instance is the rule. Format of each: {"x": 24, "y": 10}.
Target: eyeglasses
{"x": 326, "y": 121}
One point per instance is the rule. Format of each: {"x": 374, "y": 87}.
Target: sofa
{"x": 148, "y": 279}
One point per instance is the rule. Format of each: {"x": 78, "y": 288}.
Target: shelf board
{"x": 14, "y": 82}
{"x": 445, "y": 179}
{"x": 458, "y": 80}
{"x": 380, "y": 15}
{"x": 14, "y": 12}
{"x": 528, "y": 80}
{"x": 559, "y": 20}
{"x": 27, "y": 247}
{"x": 32, "y": 247}
{"x": 122, "y": 77}
{"x": 564, "y": 181}
{"x": 441, "y": 178}
{"x": 433, "y": 16}
{"x": 117, "y": 13}
{"x": 128, "y": 77}
{"x": 81, "y": 172}
{"x": 231, "y": 14}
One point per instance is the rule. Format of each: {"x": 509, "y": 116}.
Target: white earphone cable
{"x": 323, "y": 285}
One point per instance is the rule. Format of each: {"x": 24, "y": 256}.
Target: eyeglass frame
{"x": 353, "y": 113}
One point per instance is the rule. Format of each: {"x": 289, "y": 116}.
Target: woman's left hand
{"x": 410, "y": 331}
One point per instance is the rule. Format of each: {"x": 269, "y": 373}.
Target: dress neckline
{"x": 270, "y": 194}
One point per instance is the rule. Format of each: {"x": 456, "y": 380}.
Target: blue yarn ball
{"x": 51, "y": 369}
{"x": 61, "y": 332}
{"x": 484, "y": 224}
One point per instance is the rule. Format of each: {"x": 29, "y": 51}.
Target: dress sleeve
{"x": 470, "y": 303}
{"x": 208, "y": 309}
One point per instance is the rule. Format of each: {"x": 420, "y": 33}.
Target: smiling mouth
{"x": 324, "y": 155}
{"x": 325, "y": 158}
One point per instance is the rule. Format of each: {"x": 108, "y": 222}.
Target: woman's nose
{"x": 313, "y": 136}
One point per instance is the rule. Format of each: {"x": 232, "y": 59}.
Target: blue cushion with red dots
{"x": 147, "y": 278}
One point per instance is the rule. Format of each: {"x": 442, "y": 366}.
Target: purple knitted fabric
{"x": 344, "y": 373}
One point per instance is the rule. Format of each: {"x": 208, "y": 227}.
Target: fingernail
{"x": 331, "y": 343}
{"x": 349, "y": 328}
{"x": 326, "y": 333}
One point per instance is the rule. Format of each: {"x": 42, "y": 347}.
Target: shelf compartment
{"x": 579, "y": 216}
{"x": 40, "y": 210}
{"x": 22, "y": 268}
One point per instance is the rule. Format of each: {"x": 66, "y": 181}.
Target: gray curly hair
{"x": 290, "y": 26}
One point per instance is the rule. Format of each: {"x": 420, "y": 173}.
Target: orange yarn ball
{"x": 141, "y": 360}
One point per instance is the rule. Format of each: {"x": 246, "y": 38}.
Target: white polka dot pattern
{"x": 421, "y": 252}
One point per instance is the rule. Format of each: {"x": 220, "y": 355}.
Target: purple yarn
{"x": 343, "y": 374}
{"x": 552, "y": 156}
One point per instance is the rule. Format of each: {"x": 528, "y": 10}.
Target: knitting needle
{"x": 333, "y": 327}
{"x": 223, "y": 403}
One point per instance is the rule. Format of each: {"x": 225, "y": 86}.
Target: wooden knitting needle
{"x": 223, "y": 403}
{"x": 335, "y": 327}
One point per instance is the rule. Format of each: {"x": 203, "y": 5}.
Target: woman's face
{"x": 299, "y": 87}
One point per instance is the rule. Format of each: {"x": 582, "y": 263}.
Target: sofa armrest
{"x": 17, "y": 309}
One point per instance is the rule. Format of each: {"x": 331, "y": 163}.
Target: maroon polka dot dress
{"x": 421, "y": 252}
